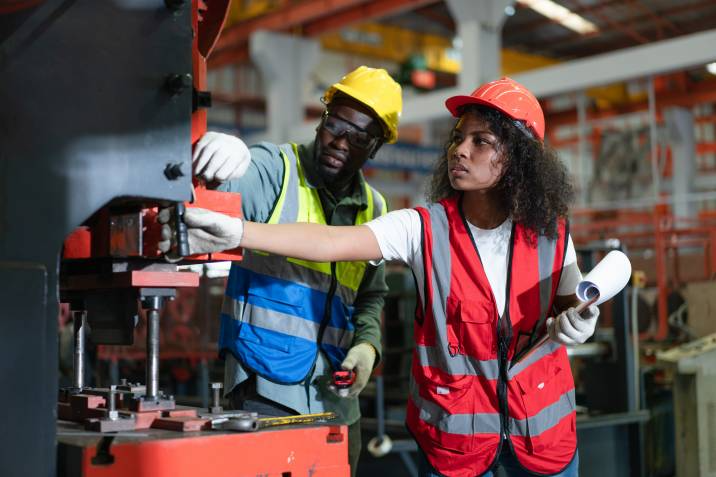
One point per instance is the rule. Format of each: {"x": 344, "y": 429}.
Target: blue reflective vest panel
{"x": 278, "y": 312}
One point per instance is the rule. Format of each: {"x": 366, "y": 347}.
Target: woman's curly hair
{"x": 534, "y": 189}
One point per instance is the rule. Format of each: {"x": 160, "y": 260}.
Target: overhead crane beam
{"x": 310, "y": 17}
{"x": 282, "y": 19}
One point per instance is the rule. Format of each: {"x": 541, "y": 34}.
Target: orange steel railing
{"x": 660, "y": 232}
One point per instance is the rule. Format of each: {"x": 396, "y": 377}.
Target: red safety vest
{"x": 463, "y": 393}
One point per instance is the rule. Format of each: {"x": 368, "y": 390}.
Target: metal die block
{"x": 110, "y": 425}
{"x": 64, "y": 411}
{"x": 142, "y": 420}
{"x": 125, "y": 234}
{"x": 182, "y": 424}
{"x": 142, "y": 405}
{"x": 181, "y": 411}
{"x": 86, "y": 401}
{"x": 112, "y": 315}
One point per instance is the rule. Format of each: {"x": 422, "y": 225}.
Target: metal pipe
{"x": 114, "y": 369}
{"x": 582, "y": 147}
{"x": 204, "y": 382}
{"x": 635, "y": 347}
{"x": 380, "y": 405}
{"x": 79, "y": 319}
{"x": 655, "y": 174}
{"x": 153, "y": 348}
{"x": 112, "y": 403}
{"x": 216, "y": 395}
{"x": 216, "y": 389}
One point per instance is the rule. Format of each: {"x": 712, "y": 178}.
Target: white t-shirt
{"x": 399, "y": 237}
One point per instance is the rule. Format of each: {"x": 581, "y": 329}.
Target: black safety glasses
{"x": 357, "y": 137}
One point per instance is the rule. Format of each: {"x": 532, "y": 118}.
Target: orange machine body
{"x": 302, "y": 450}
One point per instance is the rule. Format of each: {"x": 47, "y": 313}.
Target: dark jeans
{"x": 246, "y": 401}
{"x": 507, "y": 461}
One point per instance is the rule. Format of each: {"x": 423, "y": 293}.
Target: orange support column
{"x": 661, "y": 228}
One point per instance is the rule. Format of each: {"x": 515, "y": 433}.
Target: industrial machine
{"x": 102, "y": 103}
{"x": 692, "y": 365}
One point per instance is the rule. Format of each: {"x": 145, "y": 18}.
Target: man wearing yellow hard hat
{"x": 287, "y": 324}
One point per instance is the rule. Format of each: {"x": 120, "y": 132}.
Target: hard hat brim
{"x": 454, "y": 103}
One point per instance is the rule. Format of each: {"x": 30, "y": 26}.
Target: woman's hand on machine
{"x": 207, "y": 231}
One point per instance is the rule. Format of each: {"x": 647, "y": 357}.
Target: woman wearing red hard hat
{"x": 494, "y": 262}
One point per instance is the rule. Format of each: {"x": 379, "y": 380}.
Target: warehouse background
{"x": 629, "y": 93}
{"x": 628, "y": 89}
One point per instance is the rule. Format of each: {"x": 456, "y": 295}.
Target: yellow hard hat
{"x": 377, "y": 90}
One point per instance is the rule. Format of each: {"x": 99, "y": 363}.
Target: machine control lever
{"x": 181, "y": 230}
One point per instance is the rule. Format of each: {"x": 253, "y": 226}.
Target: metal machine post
{"x": 79, "y": 319}
{"x": 152, "y": 304}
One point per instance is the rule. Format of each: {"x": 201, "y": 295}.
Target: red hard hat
{"x": 508, "y": 96}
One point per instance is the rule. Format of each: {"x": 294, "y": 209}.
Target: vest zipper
{"x": 504, "y": 338}
{"x": 503, "y": 342}
{"x": 327, "y": 307}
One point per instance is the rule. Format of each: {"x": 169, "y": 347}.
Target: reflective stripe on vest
{"x": 456, "y": 366}
{"x": 489, "y": 422}
{"x": 274, "y": 306}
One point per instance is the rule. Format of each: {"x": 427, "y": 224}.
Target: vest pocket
{"x": 273, "y": 323}
{"x": 471, "y": 323}
{"x": 444, "y": 400}
{"x": 266, "y": 338}
{"x": 545, "y": 391}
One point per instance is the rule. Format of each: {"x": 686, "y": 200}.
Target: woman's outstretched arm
{"x": 318, "y": 243}
{"x": 211, "y": 232}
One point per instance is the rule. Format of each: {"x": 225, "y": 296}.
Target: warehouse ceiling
{"x": 620, "y": 23}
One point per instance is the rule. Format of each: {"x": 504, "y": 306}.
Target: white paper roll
{"x": 607, "y": 279}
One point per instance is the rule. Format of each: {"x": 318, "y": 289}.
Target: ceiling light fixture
{"x": 561, "y": 15}
{"x": 711, "y": 68}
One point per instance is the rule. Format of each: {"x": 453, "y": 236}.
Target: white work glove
{"x": 208, "y": 231}
{"x": 220, "y": 157}
{"x": 360, "y": 359}
{"x": 570, "y": 328}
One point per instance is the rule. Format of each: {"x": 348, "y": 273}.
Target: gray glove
{"x": 360, "y": 358}
{"x": 220, "y": 157}
{"x": 570, "y": 328}
{"x": 208, "y": 231}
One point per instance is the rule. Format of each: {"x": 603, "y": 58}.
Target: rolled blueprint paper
{"x": 605, "y": 280}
